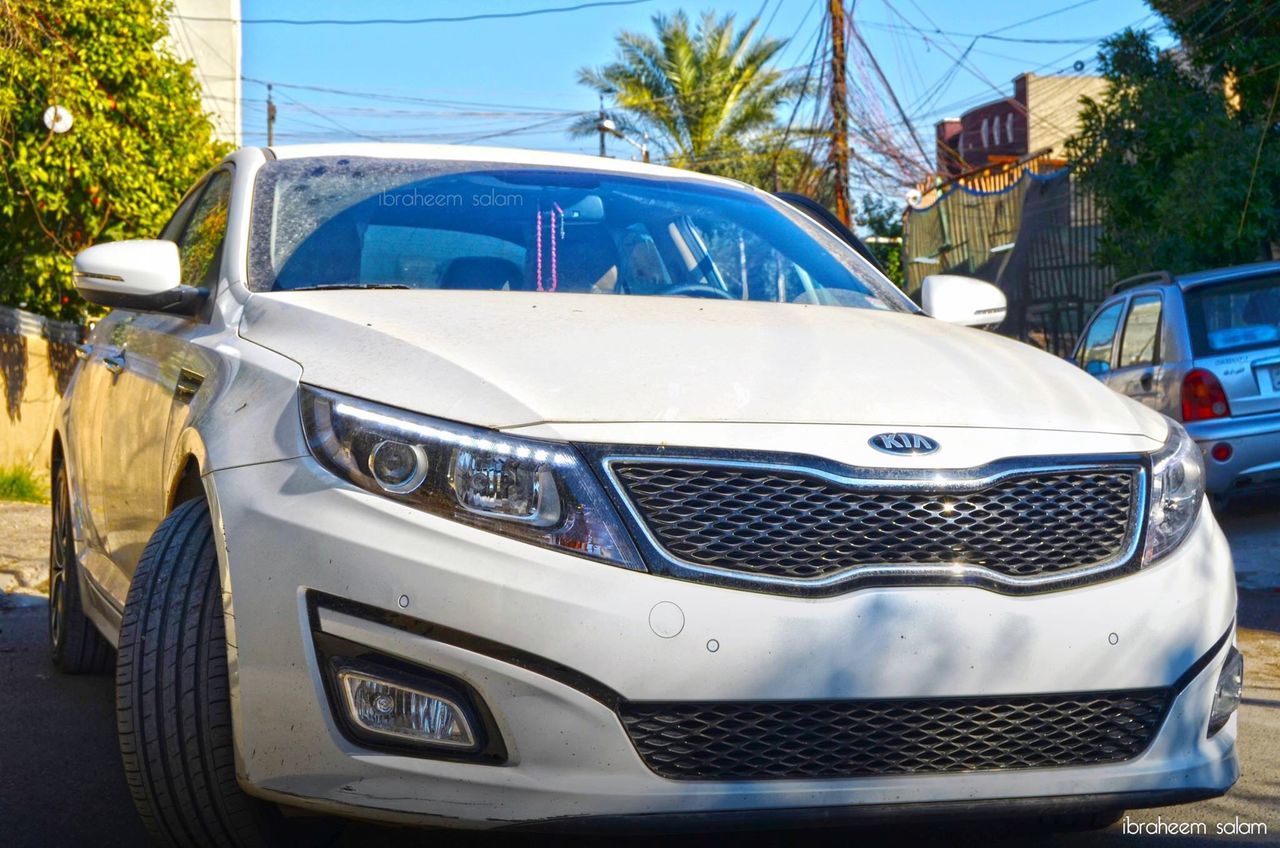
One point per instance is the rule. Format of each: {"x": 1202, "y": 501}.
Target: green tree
{"x": 139, "y": 139}
{"x": 705, "y": 94}
{"x": 1237, "y": 42}
{"x": 882, "y": 220}
{"x": 1183, "y": 178}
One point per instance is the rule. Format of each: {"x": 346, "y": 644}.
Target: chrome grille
{"x": 799, "y": 525}
{"x": 832, "y": 739}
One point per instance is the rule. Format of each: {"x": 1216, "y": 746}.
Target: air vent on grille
{"x": 800, "y": 526}
{"x": 831, "y": 739}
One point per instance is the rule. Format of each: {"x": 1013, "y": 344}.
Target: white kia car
{"x": 400, "y": 500}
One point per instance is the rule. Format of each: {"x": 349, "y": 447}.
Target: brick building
{"x": 1042, "y": 113}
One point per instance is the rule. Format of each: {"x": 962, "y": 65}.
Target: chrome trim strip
{"x": 946, "y": 482}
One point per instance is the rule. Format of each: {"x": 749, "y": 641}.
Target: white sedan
{"x": 490, "y": 488}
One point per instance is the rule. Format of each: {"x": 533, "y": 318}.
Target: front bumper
{"x": 289, "y": 532}
{"x": 1255, "y": 452}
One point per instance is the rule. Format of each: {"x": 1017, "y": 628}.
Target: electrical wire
{"x": 487, "y": 16}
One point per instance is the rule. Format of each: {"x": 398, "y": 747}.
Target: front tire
{"x": 76, "y": 646}
{"x": 173, "y": 710}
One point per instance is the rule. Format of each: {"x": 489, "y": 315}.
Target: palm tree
{"x": 702, "y": 96}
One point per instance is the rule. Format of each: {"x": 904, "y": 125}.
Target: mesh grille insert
{"x": 832, "y": 739}
{"x": 790, "y": 524}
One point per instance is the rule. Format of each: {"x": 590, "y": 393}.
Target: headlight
{"x": 1177, "y": 488}
{"x": 534, "y": 491}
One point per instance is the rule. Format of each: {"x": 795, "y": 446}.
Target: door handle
{"x": 84, "y": 351}
{"x": 189, "y": 383}
{"x": 115, "y": 364}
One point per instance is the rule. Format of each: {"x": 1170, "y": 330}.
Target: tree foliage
{"x": 139, "y": 139}
{"x": 882, "y": 219}
{"x": 1186, "y": 175}
{"x": 1235, "y": 41}
{"x": 706, "y": 94}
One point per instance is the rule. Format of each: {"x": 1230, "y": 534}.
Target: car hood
{"x": 508, "y": 359}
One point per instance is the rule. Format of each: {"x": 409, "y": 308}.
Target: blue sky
{"x": 513, "y": 82}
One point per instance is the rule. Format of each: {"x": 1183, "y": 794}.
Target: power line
{"x": 892, "y": 27}
{"x": 488, "y": 16}
{"x": 1049, "y": 14}
{"x": 325, "y": 117}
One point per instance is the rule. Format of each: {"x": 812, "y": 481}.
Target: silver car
{"x": 1204, "y": 349}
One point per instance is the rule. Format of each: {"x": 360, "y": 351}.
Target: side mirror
{"x": 143, "y": 274}
{"x": 963, "y": 300}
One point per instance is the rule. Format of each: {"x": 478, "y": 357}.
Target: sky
{"x": 513, "y": 82}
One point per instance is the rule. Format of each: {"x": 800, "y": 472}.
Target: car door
{"x": 137, "y": 423}
{"x": 88, "y": 398}
{"x": 93, "y": 410}
{"x": 1096, "y": 351}
{"x": 1138, "y": 371}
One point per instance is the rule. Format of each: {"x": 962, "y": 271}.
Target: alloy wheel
{"x": 60, "y": 547}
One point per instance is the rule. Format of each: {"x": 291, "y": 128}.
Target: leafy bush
{"x": 139, "y": 138}
{"x": 19, "y": 483}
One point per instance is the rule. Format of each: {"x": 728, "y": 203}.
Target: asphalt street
{"x": 61, "y": 781}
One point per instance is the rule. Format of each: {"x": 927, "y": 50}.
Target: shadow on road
{"x": 61, "y": 781}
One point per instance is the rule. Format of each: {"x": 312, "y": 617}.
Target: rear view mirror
{"x": 143, "y": 274}
{"x": 586, "y": 210}
{"x": 963, "y": 300}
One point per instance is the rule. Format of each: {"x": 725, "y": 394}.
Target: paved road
{"x": 61, "y": 781}
{"x": 1253, "y": 527}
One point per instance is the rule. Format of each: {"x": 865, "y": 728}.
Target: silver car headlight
{"x": 535, "y": 491}
{"x": 1177, "y": 490}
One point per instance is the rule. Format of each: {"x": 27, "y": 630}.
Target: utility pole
{"x": 600, "y": 125}
{"x": 839, "y": 110}
{"x": 271, "y": 118}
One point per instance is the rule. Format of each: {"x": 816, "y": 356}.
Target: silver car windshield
{"x": 369, "y": 223}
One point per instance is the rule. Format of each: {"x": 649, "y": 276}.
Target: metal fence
{"x": 1028, "y": 228}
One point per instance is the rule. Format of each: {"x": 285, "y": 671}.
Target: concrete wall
{"x": 207, "y": 32}
{"x": 36, "y": 361}
{"x": 1053, "y": 105}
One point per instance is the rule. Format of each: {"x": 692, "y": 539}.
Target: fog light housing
{"x": 419, "y": 713}
{"x": 1226, "y": 698}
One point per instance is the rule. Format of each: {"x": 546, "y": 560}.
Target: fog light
{"x": 1221, "y": 452}
{"x": 391, "y": 709}
{"x": 1226, "y": 699}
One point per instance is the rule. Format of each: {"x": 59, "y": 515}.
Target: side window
{"x": 1141, "y": 342}
{"x": 200, "y": 246}
{"x": 173, "y": 228}
{"x": 1098, "y": 342}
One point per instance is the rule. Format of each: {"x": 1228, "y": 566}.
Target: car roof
{"x": 1200, "y": 278}
{"x": 1195, "y": 278}
{"x": 511, "y": 155}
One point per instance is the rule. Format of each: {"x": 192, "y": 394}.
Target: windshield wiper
{"x": 353, "y": 286}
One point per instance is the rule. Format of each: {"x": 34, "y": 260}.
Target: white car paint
{"x": 152, "y": 266}
{"x": 642, "y": 371}
{"x": 504, "y": 359}
{"x": 963, "y": 300}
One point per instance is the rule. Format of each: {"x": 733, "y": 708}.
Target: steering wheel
{"x": 694, "y": 290}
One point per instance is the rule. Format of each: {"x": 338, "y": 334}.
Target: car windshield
{"x": 369, "y": 223}
{"x": 1234, "y": 316}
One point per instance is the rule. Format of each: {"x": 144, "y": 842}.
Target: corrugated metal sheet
{"x": 1030, "y": 230}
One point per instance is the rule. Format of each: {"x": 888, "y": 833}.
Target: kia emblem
{"x": 903, "y": 444}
